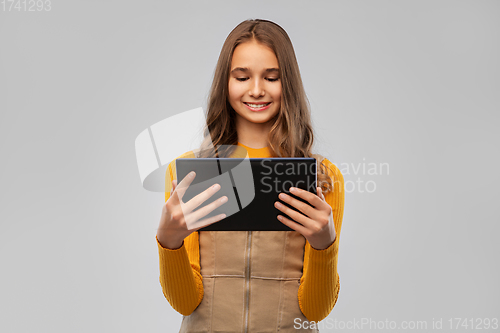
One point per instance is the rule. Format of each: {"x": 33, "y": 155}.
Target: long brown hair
{"x": 291, "y": 134}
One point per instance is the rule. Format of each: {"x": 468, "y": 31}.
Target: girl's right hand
{"x": 177, "y": 215}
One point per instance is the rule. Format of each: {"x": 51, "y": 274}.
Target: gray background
{"x": 410, "y": 83}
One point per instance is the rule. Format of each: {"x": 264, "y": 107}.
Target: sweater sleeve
{"x": 180, "y": 276}
{"x": 320, "y": 281}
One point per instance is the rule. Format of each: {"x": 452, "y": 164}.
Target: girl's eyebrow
{"x": 245, "y": 69}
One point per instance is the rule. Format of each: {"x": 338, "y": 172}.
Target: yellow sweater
{"x": 182, "y": 283}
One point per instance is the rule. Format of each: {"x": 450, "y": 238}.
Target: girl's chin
{"x": 257, "y": 118}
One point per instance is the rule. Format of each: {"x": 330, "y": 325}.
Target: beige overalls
{"x": 251, "y": 281}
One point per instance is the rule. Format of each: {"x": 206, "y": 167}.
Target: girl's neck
{"x": 256, "y": 152}
{"x": 253, "y": 135}
{"x": 253, "y": 144}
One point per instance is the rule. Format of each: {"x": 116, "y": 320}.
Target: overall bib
{"x": 250, "y": 280}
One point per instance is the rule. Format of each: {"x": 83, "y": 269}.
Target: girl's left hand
{"x": 316, "y": 223}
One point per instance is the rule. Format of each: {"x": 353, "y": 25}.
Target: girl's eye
{"x": 242, "y": 79}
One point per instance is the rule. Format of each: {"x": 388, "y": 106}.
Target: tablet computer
{"x": 251, "y": 185}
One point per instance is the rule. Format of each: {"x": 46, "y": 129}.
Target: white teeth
{"x": 256, "y": 106}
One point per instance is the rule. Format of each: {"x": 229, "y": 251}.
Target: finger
{"x": 296, "y": 216}
{"x": 292, "y": 224}
{"x": 320, "y": 193}
{"x": 174, "y": 184}
{"x": 301, "y": 206}
{"x": 195, "y": 216}
{"x": 312, "y": 198}
{"x": 182, "y": 187}
{"x": 205, "y": 222}
{"x": 202, "y": 197}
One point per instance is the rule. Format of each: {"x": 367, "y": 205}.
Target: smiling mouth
{"x": 257, "y": 106}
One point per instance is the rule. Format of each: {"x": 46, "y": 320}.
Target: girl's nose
{"x": 257, "y": 89}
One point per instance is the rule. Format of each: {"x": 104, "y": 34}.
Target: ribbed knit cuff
{"x": 177, "y": 279}
{"x": 326, "y": 255}
{"x": 178, "y": 255}
{"x": 166, "y": 248}
{"x": 317, "y": 293}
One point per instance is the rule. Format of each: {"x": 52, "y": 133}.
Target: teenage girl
{"x": 254, "y": 281}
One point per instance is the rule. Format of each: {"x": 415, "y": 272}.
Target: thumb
{"x": 174, "y": 185}
{"x": 320, "y": 193}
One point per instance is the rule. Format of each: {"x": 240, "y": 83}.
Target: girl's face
{"x": 254, "y": 84}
